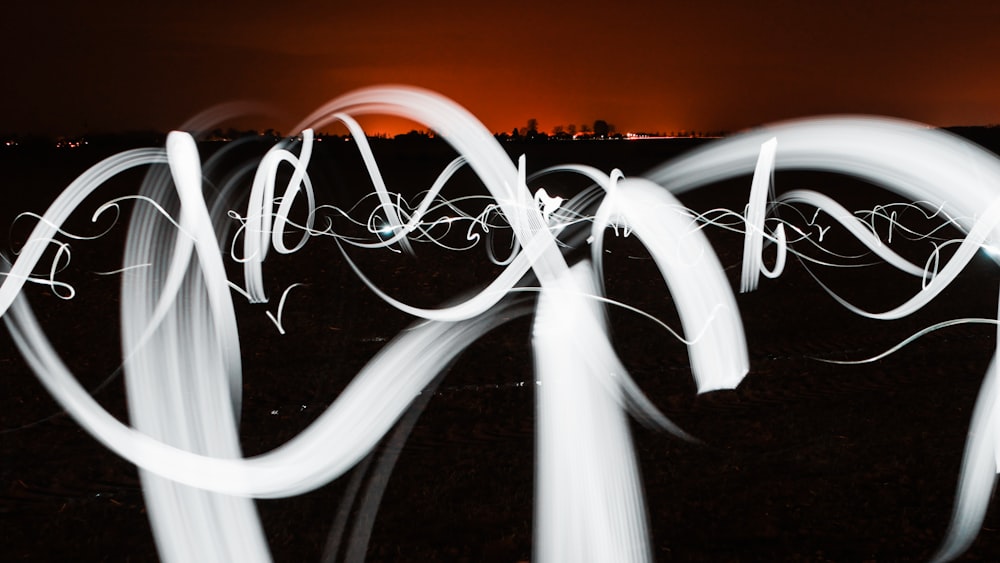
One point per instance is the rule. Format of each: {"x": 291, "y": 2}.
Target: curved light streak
{"x": 182, "y": 351}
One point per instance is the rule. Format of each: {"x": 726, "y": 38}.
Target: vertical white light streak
{"x": 183, "y": 374}
{"x": 588, "y": 497}
{"x": 980, "y": 466}
{"x": 756, "y": 211}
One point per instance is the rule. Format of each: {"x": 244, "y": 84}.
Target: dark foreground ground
{"x": 805, "y": 461}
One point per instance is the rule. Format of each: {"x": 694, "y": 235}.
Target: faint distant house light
{"x": 638, "y": 135}
{"x": 70, "y": 143}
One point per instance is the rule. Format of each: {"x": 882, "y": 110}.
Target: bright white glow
{"x": 756, "y": 210}
{"x": 589, "y": 504}
{"x": 182, "y": 350}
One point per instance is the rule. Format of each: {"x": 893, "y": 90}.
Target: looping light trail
{"x": 182, "y": 351}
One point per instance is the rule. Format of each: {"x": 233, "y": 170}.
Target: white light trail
{"x": 182, "y": 351}
{"x": 753, "y": 242}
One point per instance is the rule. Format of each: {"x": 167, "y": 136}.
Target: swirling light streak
{"x": 923, "y": 166}
{"x": 181, "y": 345}
{"x": 258, "y": 226}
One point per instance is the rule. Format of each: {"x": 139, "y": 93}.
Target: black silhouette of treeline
{"x": 987, "y": 136}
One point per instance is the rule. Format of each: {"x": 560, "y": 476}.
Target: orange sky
{"x": 638, "y": 65}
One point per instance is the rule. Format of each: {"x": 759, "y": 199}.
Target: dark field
{"x": 805, "y": 461}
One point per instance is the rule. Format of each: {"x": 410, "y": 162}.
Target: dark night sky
{"x": 638, "y": 65}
